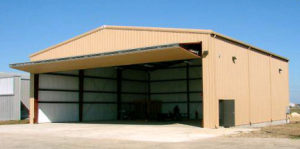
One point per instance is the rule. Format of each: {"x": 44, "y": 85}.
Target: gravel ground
{"x": 171, "y": 136}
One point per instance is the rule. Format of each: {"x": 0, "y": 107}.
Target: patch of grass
{"x": 14, "y": 122}
{"x": 288, "y": 130}
{"x": 291, "y": 130}
{"x": 297, "y": 110}
{"x": 295, "y": 137}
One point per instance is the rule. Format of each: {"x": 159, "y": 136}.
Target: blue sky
{"x": 27, "y": 26}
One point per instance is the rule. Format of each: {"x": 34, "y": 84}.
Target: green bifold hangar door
{"x": 136, "y": 84}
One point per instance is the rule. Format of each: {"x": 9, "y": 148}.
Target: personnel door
{"x": 226, "y": 113}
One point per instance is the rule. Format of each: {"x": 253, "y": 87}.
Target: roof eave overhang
{"x": 250, "y": 47}
{"x": 160, "y": 53}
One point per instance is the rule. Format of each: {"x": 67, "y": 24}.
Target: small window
{"x": 6, "y": 86}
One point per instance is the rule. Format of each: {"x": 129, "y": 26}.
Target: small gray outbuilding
{"x": 14, "y": 96}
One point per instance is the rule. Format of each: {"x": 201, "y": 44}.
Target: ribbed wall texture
{"x": 111, "y": 40}
{"x": 49, "y": 85}
{"x": 10, "y": 104}
{"x": 169, "y": 100}
{"x": 253, "y": 81}
{"x": 94, "y": 112}
{"x": 55, "y": 112}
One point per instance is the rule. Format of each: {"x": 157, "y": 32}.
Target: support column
{"x": 188, "y": 89}
{"x": 81, "y": 85}
{"x": 34, "y": 94}
{"x": 148, "y": 99}
{"x": 119, "y": 93}
{"x": 210, "y": 100}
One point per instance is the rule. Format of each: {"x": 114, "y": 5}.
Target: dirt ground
{"x": 10, "y": 141}
{"x": 134, "y": 136}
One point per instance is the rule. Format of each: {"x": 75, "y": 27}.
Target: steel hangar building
{"x": 144, "y": 73}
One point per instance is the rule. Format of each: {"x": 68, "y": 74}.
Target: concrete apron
{"x": 151, "y": 133}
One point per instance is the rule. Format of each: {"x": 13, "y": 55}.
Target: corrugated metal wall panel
{"x": 75, "y": 72}
{"x": 104, "y": 72}
{"x": 113, "y": 39}
{"x": 89, "y": 97}
{"x": 58, "y": 82}
{"x": 178, "y": 86}
{"x": 232, "y": 78}
{"x": 55, "y": 112}
{"x": 57, "y": 96}
{"x": 135, "y": 87}
{"x": 58, "y": 113}
{"x": 93, "y": 84}
{"x": 6, "y": 102}
{"x": 7, "y": 86}
{"x": 260, "y": 87}
{"x": 6, "y": 108}
{"x": 210, "y": 104}
{"x": 260, "y": 92}
{"x": 97, "y": 112}
{"x": 280, "y": 88}
{"x": 16, "y": 104}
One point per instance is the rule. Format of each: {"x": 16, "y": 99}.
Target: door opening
{"x": 226, "y": 113}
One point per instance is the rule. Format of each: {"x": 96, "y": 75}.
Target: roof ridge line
{"x": 159, "y": 29}
{"x": 124, "y": 28}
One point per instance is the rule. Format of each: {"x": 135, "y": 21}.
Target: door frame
{"x": 221, "y": 117}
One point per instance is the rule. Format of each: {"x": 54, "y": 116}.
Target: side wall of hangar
{"x": 258, "y": 82}
{"x": 255, "y": 79}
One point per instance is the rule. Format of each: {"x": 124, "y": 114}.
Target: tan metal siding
{"x": 261, "y": 94}
{"x": 210, "y": 104}
{"x": 111, "y": 40}
{"x": 232, "y": 78}
{"x": 280, "y": 88}
{"x": 260, "y": 87}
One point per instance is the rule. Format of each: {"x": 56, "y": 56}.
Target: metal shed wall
{"x": 232, "y": 78}
{"x": 10, "y": 104}
{"x": 279, "y": 88}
